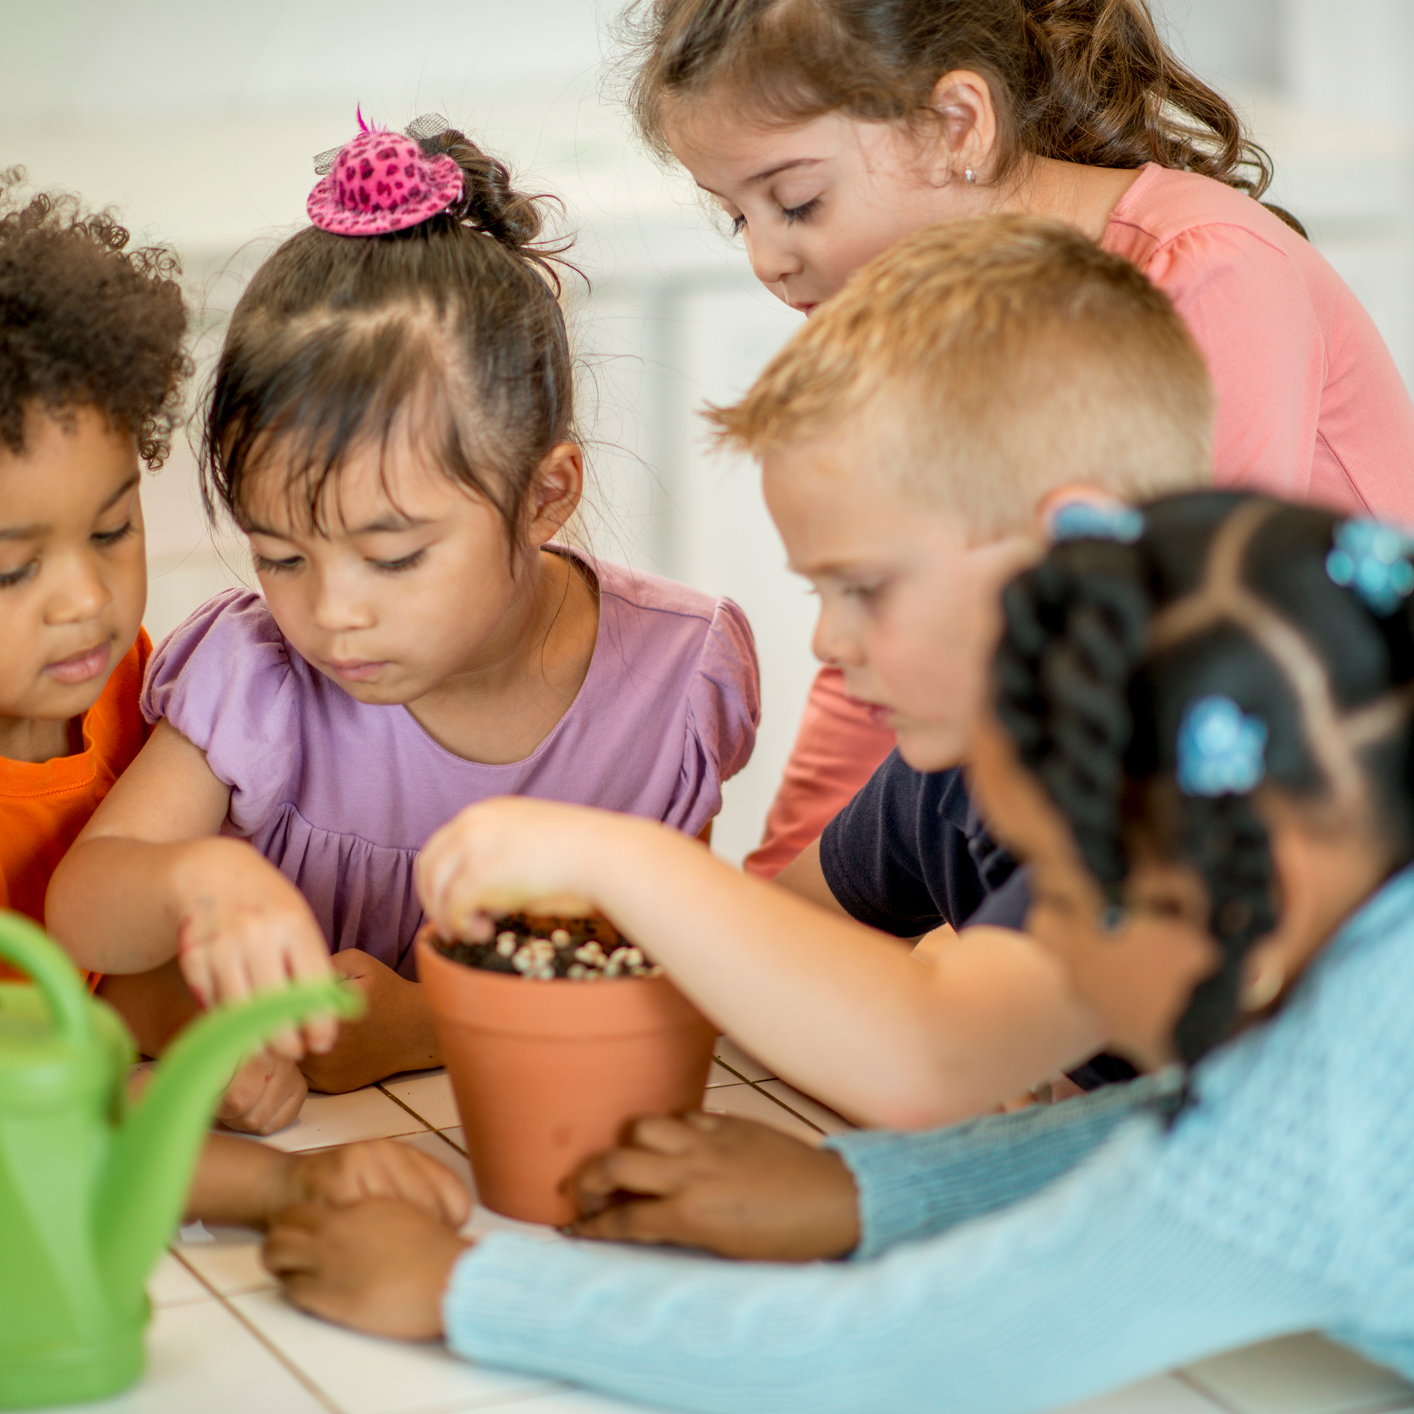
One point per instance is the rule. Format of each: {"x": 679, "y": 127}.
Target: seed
{"x": 590, "y": 953}
{"x": 634, "y": 957}
{"x": 506, "y": 944}
{"x": 560, "y": 938}
{"x": 577, "y": 970}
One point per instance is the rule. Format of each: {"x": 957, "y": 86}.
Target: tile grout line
{"x": 402, "y": 1105}
{"x": 281, "y": 1358}
{"x": 759, "y": 1088}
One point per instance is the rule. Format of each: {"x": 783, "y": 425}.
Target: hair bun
{"x": 489, "y": 202}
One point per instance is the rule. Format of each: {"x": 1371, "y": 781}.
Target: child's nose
{"x": 335, "y": 609}
{"x": 81, "y": 593}
{"x": 833, "y": 644}
{"x": 772, "y": 262}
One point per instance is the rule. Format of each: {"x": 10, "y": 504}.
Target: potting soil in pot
{"x": 545, "y": 948}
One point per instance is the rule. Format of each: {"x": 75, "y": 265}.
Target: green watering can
{"x": 91, "y": 1192}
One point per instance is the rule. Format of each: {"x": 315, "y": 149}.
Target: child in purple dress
{"x": 391, "y": 425}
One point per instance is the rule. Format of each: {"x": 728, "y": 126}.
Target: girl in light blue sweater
{"x": 1203, "y": 745}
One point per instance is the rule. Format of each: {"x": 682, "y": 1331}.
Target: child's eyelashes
{"x": 265, "y": 565}
{"x": 407, "y": 562}
{"x": 105, "y": 538}
{"x": 10, "y": 578}
{"x": 864, "y": 593}
{"x": 790, "y": 214}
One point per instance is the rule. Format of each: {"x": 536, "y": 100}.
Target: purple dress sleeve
{"x": 223, "y": 679}
{"x": 723, "y": 711}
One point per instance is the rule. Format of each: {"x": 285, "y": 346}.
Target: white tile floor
{"x": 223, "y": 1340}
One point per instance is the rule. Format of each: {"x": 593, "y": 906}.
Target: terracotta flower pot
{"x": 548, "y": 1073}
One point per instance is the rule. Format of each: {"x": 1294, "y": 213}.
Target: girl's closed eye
{"x": 18, "y": 575}
{"x": 264, "y": 564}
{"x": 106, "y": 538}
{"x": 803, "y": 212}
{"x": 404, "y": 562}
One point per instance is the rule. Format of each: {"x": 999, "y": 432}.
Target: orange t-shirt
{"x": 44, "y": 804}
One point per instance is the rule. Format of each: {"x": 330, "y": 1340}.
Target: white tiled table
{"x": 224, "y": 1341}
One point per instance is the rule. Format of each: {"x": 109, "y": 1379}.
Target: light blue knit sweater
{"x": 1029, "y": 1260}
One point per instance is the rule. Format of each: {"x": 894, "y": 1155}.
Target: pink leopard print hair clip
{"x": 381, "y": 182}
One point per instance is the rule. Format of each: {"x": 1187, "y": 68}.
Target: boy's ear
{"x": 1075, "y": 493}
{"x": 559, "y": 484}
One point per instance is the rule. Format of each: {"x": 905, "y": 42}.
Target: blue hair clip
{"x": 1373, "y": 559}
{"x": 1084, "y": 520}
{"x": 1221, "y": 750}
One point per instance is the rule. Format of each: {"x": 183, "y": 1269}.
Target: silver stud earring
{"x": 970, "y": 176}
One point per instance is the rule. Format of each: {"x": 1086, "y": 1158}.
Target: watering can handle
{"x": 30, "y": 949}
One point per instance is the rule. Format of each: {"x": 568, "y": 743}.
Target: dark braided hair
{"x": 1105, "y": 647}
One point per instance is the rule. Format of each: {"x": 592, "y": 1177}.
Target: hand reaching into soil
{"x": 380, "y": 1266}
{"x": 512, "y": 855}
{"x": 725, "y": 1185}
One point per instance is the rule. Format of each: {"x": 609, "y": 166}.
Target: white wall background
{"x": 198, "y": 120}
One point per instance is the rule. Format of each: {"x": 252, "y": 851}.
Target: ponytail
{"x": 1106, "y": 91}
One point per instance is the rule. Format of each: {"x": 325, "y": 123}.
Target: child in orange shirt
{"x": 91, "y": 373}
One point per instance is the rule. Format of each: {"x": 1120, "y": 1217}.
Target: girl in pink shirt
{"x": 827, "y": 129}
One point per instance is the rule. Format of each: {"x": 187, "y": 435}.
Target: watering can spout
{"x": 149, "y": 1169}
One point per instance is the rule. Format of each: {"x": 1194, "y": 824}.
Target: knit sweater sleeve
{"x": 1097, "y": 1281}
{"x": 913, "y": 1185}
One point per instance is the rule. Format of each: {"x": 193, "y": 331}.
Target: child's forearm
{"x": 155, "y": 1005}
{"x": 116, "y": 904}
{"x": 240, "y": 1182}
{"x": 831, "y": 1004}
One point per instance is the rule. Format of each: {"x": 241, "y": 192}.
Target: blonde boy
{"x": 916, "y": 438}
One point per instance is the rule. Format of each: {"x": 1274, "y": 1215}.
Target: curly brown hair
{"x": 85, "y": 321}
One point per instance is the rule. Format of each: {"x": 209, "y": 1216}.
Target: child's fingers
{"x": 626, "y": 1171}
{"x": 421, "y": 1179}
{"x": 229, "y": 971}
{"x": 665, "y": 1134}
{"x": 195, "y": 966}
{"x": 292, "y": 1243}
{"x": 643, "y": 1220}
{"x": 309, "y": 960}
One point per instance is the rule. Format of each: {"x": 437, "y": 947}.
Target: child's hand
{"x": 380, "y": 1266}
{"x": 377, "y": 1168}
{"x": 247, "y": 929}
{"x": 395, "y": 1033}
{"x": 727, "y": 1185}
{"x": 501, "y": 856}
{"x": 265, "y": 1095}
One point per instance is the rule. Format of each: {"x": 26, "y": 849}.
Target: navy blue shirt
{"x": 910, "y": 853}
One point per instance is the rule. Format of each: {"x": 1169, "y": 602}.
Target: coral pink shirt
{"x": 1310, "y": 407}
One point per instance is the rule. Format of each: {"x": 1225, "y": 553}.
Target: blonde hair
{"x": 1001, "y": 358}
